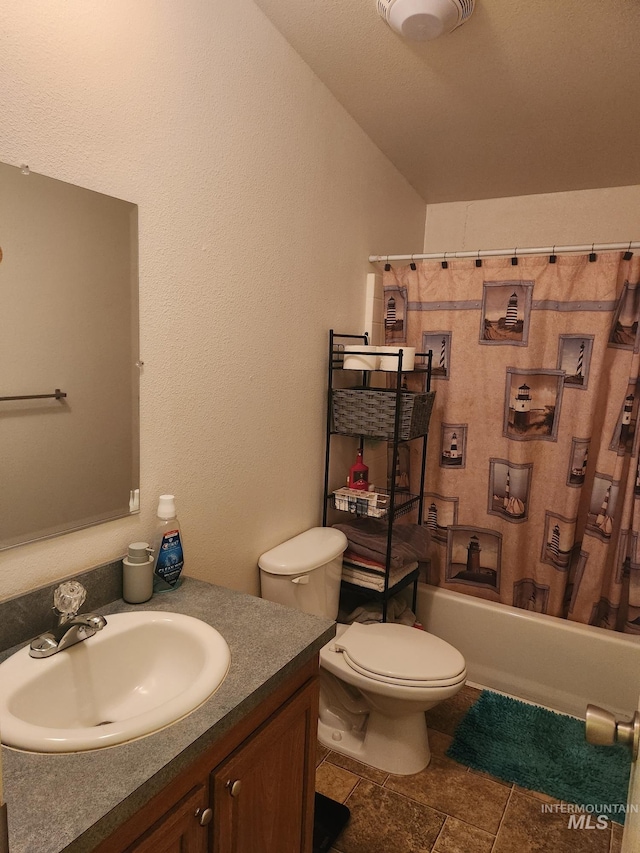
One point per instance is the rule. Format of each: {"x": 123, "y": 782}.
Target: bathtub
{"x": 561, "y": 665}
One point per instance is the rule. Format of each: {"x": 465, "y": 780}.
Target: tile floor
{"x": 448, "y": 808}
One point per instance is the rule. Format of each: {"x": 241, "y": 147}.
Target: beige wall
{"x": 572, "y": 218}
{"x": 259, "y": 203}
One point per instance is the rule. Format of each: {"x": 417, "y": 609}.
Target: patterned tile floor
{"x": 448, "y": 808}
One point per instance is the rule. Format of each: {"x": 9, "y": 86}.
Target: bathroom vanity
{"x": 251, "y": 791}
{"x": 237, "y": 774}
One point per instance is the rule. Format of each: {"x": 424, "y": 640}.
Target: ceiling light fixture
{"x": 423, "y": 20}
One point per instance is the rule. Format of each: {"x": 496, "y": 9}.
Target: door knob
{"x": 602, "y": 728}
{"x": 234, "y": 787}
{"x": 204, "y": 816}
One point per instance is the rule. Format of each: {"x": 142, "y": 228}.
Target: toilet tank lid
{"x": 305, "y": 552}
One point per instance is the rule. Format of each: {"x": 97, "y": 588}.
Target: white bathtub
{"x": 561, "y": 665}
{"x": 555, "y": 663}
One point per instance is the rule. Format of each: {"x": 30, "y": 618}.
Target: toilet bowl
{"x": 400, "y": 672}
{"x": 376, "y": 681}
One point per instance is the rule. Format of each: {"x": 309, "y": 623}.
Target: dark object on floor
{"x": 543, "y": 751}
{"x": 330, "y": 819}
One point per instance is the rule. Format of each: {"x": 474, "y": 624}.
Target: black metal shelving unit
{"x": 399, "y": 502}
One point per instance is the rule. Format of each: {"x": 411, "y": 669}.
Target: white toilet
{"x": 376, "y": 681}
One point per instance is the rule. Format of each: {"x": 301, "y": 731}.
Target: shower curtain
{"x": 533, "y": 488}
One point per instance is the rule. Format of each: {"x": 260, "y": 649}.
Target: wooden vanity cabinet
{"x": 179, "y": 830}
{"x": 263, "y": 794}
{"x": 250, "y": 792}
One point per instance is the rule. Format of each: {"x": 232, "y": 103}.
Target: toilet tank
{"x": 305, "y": 572}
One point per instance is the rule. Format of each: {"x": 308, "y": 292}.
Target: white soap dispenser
{"x": 137, "y": 573}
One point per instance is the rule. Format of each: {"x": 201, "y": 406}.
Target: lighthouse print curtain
{"x": 533, "y": 487}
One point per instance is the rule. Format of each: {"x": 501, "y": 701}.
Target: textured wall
{"x": 259, "y": 202}
{"x": 571, "y": 218}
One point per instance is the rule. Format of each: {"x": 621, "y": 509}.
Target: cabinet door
{"x": 264, "y": 793}
{"x": 180, "y": 830}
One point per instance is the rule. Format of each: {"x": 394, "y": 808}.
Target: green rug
{"x": 542, "y": 751}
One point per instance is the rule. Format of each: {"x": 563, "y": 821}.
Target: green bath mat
{"x": 542, "y": 751}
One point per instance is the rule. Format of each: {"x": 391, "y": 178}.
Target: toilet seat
{"x": 397, "y": 654}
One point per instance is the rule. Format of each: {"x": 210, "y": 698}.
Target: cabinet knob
{"x": 204, "y": 816}
{"x": 234, "y": 787}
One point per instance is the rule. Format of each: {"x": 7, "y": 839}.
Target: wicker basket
{"x": 372, "y": 412}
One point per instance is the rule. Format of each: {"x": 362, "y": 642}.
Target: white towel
{"x": 372, "y": 579}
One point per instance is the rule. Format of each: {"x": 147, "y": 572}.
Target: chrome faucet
{"x": 73, "y": 627}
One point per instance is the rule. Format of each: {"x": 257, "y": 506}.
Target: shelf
{"x": 361, "y": 508}
{"x": 380, "y": 595}
{"x": 378, "y": 437}
{"x": 395, "y": 415}
{"x": 337, "y": 364}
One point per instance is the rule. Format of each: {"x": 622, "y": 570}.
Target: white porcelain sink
{"x": 144, "y": 670}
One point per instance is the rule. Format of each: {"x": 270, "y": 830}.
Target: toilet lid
{"x": 400, "y": 654}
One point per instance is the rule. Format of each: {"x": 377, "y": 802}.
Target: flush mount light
{"x": 423, "y": 20}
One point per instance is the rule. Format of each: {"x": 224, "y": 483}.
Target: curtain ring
{"x": 592, "y": 254}
{"x": 628, "y": 254}
{"x": 387, "y": 265}
{"x": 445, "y": 264}
{"x": 478, "y": 260}
{"x": 514, "y": 259}
{"x": 553, "y": 257}
{"x": 412, "y": 264}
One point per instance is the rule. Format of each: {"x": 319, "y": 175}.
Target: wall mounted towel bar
{"x": 57, "y": 394}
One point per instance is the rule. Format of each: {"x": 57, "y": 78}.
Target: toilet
{"x": 376, "y": 681}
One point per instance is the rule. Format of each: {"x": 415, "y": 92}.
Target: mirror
{"x": 69, "y": 431}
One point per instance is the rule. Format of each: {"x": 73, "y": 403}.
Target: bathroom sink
{"x": 142, "y": 672}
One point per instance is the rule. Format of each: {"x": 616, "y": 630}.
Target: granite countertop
{"x": 70, "y": 802}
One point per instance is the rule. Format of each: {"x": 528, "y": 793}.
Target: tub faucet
{"x": 73, "y": 627}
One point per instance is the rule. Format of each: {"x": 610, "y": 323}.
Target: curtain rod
{"x": 509, "y": 253}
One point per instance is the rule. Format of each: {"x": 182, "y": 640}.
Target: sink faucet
{"x": 73, "y": 627}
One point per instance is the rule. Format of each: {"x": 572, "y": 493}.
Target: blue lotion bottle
{"x": 167, "y": 547}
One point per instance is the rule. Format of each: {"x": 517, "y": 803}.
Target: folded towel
{"x": 374, "y": 579}
{"x": 353, "y": 557}
{"x": 368, "y": 538}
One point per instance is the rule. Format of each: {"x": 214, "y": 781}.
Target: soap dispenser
{"x": 137, "y": 573}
